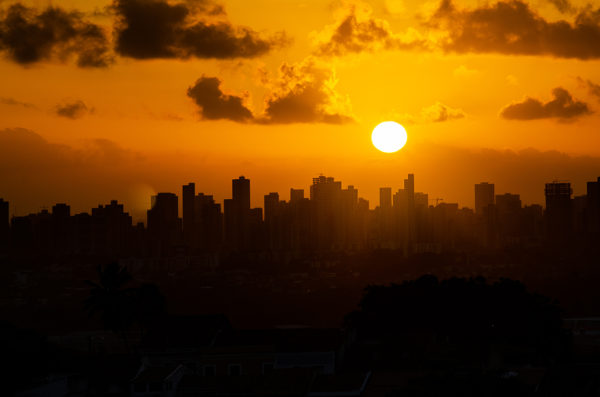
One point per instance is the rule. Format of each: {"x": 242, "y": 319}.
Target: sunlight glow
{"x": 389, "y": 137}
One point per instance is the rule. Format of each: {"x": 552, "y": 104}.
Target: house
{"x": 157, "y": 381}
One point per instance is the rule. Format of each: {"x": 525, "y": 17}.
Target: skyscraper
{"x": 208, "y": 224}
{"x": 558, "y": 211}
{"x": 164, "y": 224}
{"x": 385, "y": 197}
{"x": 111, "y": 229}
{"x": 237, "y": 215}
{"x": 296, "y": 195}
{"x": 508, "y": 213}
{"x": 271, "y": 205}
{"x": 409, "y": 188}
{"x": 593, "y": 208}
{"x": 241, "y": 192}
{"x": 188, "y": 194}
{"x": 484, "y": 196}
{"x": 325, "y": 196}
{"x": 4, "y": 227}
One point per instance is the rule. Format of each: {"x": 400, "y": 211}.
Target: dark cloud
{"x": 14, "y": 102}
{"x": 306, "y": 94}
{"x": 73, "y": 110}
{"x": 23, "y": 150}
{"x": 512, "y": 27}
{"x": 28, "y": 36}
{"x": 360, "y": 32}
{"x": 563, "y": 107}
{"x": 158, "y": 29}
{"x": 214, "y": 104}
{"x": 96, "y": 172}
{"x": 563, "y": 6}
{"x": 593, "y": 88}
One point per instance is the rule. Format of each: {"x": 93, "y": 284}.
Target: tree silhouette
{"x": 112, "y": 300}
{"x": 121, "y": 306}
{"x": 476, "y": 320}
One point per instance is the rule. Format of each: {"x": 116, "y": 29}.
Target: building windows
{"x": 234, "y": 369}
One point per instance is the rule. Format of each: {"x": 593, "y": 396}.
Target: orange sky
{"x": 141, "y": 96}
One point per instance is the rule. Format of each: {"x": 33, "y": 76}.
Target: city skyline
{"x": 300, "y": 198}
{"x": 326, "y": 219}
{"x": 286, "y": 196}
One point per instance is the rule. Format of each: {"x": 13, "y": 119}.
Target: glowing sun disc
{"x": 389, "y": 136}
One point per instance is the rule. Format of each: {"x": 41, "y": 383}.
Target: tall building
{"x": 4, "y": 226}
{"x": 164, "y": 224}
{"x": 593, "y": 208}
{"x": 385, "y": 220}
{"x": 484, "y": 196}
{"x": 61, "y": 228}
{"x": 508, "y": 203}
{"x": 385, "y": 197}
{"x": 421, "y": 200}
{"x": 409, "y": 188}
{"x": 188, "y": 197}
{"x": 558, "y": 213}
{"x": 325, "y": 196}
{"x": 508, "y": 215}
{"x": 208, "y": 224}
{"x": 237, "y": 215}
{"x": 296, "y": 195}
{"x": 111, "y": 229}
{"x": 271, "y": 206}
{"x": 241, "y": 192}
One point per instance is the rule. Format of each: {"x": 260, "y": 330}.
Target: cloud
{"x": 563, "y": 107}
{"x": 305, "y": 93}
{"x": 23, "y": 150}
{"x": 563, "y": 6}
{"x": 436, "y": 113}
{"x": 593, "y": 88}
{"x": 148, "y": 29}
{"x": 512, "y": 27}
{"x": 439, "y": 112}
{"x": 463, "y": 71}
{"x": 214, "y": 104}
{"x": 28, "y": 36}
{"x": 358, "y": 31}
{"x": 84, "y": 177}
{"x": 73, "y": 110}
{"x": 14, "y": 102}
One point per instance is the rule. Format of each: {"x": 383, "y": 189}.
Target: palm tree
{"x": 110, "y": 298}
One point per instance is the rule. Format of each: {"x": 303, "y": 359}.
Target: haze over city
{"x": 300, "y": 198}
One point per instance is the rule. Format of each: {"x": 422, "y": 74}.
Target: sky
{"x": 122, "y": 99}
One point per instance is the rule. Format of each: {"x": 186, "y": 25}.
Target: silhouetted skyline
{"x": 332, "y": 218}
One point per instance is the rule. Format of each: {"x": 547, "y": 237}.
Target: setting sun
{"x": 389, "y": 137}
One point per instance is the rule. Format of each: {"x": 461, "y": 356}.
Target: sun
{"x": 389, "y": 136}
